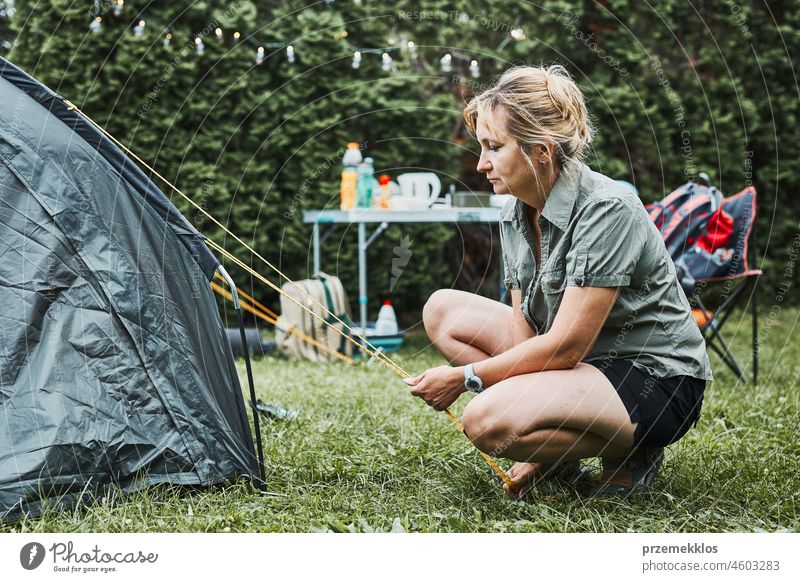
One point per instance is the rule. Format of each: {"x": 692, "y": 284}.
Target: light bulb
{"x": 387, "y": 62}
{"x": 356, "y": 59}
{"x": 447, "y": 63}
{"x": 260, "y": 55}
{"x": 218, "y": 32}
{"x": 96, "y": 25}
{"x": 474, "y": 69}
{"x": 138, "y": 30}
{"x": 290, "y": 54}
{"x": 199, "y": 45}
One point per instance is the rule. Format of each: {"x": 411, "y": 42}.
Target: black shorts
{"x": 664, "y": 408}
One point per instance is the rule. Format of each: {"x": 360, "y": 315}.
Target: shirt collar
{"x": 561, "y": 200}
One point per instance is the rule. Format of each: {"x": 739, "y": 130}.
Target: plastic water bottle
{"x": 365, "y": 183}
{"x": 387, "y": 320}
{"x": 349, "y": 190}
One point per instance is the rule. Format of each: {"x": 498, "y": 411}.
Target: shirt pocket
{"x": 553, "y": 282}
{"x": 549, "y": 292}
{"x": 554, "y": 277}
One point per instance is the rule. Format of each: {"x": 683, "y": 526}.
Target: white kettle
{"x": 424, "y": 187}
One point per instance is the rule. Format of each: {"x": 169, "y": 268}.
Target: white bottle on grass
{"x": 387, "y": 320}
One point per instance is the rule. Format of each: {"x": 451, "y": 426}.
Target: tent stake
{"x": 238, "y": 308}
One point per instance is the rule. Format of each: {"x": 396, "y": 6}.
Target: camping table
{"x": 383, "y": 218}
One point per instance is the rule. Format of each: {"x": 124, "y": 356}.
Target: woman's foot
{"x": 631, "y": 476}
{"x": 525, "y": 475}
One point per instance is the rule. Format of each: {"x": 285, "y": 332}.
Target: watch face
{"x": 473, "y": 384}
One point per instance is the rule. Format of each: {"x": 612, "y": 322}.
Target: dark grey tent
{"x": 114, "y": 364}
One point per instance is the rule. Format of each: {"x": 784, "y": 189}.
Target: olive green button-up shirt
{"x": 596, "y": 233}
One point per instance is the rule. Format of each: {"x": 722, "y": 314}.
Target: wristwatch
{"x": 472, "y": 382}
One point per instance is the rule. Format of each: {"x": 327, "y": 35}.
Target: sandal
{"x": 631, "y": 476}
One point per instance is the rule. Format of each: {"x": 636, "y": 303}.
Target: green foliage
{"x": 675, "y": 89}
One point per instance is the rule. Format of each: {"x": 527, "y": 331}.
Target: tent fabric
{"x": 123, "y": 165}
{"x": 114, "y": 366}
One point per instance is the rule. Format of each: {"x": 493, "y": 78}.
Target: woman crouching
{"x": 598, "y": 355}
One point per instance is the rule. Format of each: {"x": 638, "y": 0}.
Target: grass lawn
{"x": 363, "y": 455}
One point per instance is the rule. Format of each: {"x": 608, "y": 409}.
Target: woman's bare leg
{"x": 550, "y": 416}
{"x": 467, "y": 327}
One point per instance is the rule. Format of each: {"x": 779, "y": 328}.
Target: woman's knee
{"x": 433, "y": 313}
{"x": 485, "y": 427}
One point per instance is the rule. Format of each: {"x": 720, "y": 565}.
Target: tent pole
{"x": 238, "y": 308}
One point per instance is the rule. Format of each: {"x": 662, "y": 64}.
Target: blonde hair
{"x": 542, "y": 105}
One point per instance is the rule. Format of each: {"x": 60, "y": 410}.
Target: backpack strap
{"x": 331, "y": 308}
{"x": 311, "y": 325}
{"x": 328, "y": 298}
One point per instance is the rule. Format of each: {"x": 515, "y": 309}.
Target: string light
{"x": 518, "y": 34}
{"x": 447, "y": 63}
{"x": 387, "y": 63}
{"x": 474, "y": 69}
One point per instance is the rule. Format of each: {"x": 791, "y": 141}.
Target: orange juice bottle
{"x": 351, "y": 159}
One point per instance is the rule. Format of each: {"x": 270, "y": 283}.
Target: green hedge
{"x": 675, "y": 90}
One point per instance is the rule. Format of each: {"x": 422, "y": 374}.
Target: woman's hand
{"x": 438, "y": 387}
{"x": 523, "y": 476}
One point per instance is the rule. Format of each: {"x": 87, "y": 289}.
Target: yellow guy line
{"x": 373, "y": 352}
{"x": 384, "y": 360}
{"x": 273, "y": 321}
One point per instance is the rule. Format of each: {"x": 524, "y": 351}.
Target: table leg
{"x": 316, "y": 248}
{"x": 362, "y": 276}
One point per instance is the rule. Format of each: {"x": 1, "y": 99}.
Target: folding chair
{"x": 717, "y": 253}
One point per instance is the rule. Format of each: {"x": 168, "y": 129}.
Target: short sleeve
{"x": 607, "y": 243}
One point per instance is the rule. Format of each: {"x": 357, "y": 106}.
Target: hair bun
{"x": 542, "y": 105}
